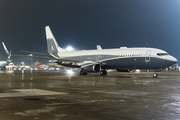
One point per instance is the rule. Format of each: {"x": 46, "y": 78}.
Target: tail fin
{"x": 9, "y": 57}
{"x": 38, "y": 64}
{"x": 52, "y": 44}
{"x": 7, "y": 52}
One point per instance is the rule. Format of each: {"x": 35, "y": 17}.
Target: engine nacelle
{"x": 91, "y": 68}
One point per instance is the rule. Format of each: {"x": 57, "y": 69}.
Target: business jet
{"x": 100, "y": 60}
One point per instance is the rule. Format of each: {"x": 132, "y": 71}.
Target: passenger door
{"x": 147, "y": 56}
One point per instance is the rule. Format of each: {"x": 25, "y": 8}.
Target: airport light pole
{"x": 31, "y": 60}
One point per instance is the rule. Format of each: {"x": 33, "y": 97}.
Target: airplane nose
{"x": 173, "y": 59}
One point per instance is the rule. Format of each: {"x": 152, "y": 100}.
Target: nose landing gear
{"x": 155, "y": 75}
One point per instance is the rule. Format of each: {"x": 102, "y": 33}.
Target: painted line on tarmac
{"x": 29, "y": 92}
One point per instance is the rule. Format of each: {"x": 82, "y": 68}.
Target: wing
{"x": 36, "y": 53}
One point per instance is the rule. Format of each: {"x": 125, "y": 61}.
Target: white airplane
{"x": 4, "y": 63}
{"x": 100, "y": 60}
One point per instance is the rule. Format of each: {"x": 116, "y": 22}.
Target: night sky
{"x": 83, "y": 24}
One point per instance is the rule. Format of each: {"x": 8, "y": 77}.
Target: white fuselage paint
{"x": 104, "y": 55}
{"x": 3, "y": 64}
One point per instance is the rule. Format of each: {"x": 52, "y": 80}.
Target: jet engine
{"x": 91, "y": 68}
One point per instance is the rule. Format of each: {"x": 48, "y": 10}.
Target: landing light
{"x": 69, "y": 48}
{"x": 69, "y": 71}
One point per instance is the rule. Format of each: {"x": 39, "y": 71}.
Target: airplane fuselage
{"x": 127, "y": 58}
{"x": 3, "y": 64}
{"x": 102, "y": 59}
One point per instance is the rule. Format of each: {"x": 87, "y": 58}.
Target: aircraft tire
{"x": 155, "y": 75}
{"x": 82, "y": 73}
{"x": 103, "y": 72}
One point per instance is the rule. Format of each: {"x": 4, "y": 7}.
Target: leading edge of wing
{"x": 48, "y": 58}
{"x": 34, "y": 57}
{"x": 36, "y": 53}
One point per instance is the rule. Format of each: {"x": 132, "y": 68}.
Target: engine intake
{"x": 91, "y": 68}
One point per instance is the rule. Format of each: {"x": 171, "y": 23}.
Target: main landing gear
{"x": 83, "y": 73}
{"x": 103, "y": 72}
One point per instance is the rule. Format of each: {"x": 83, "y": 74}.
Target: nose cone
{"x": 172, "y": 60}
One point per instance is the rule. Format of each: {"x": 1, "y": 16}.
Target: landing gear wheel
{"x": 155, "y": 75}
{"x": 82, "y": 73}
{"x": 103, "y": 72}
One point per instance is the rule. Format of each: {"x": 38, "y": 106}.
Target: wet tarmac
{"x": 54, "y": 95}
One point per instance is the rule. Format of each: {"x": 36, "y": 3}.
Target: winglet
{"x": 99, "y": 47}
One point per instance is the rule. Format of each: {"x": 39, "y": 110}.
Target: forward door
{"x": 147, "y": 56}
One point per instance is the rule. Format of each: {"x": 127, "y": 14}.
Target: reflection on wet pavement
{"x": 68, "y": 96}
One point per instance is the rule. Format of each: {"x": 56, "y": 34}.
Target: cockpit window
{"x": 162, "y": 54}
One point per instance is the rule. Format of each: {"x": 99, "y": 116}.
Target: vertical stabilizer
{"x": 38, "y": 64}
{"x": 52, "y": 44}
{"x": 7, "y": 52}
